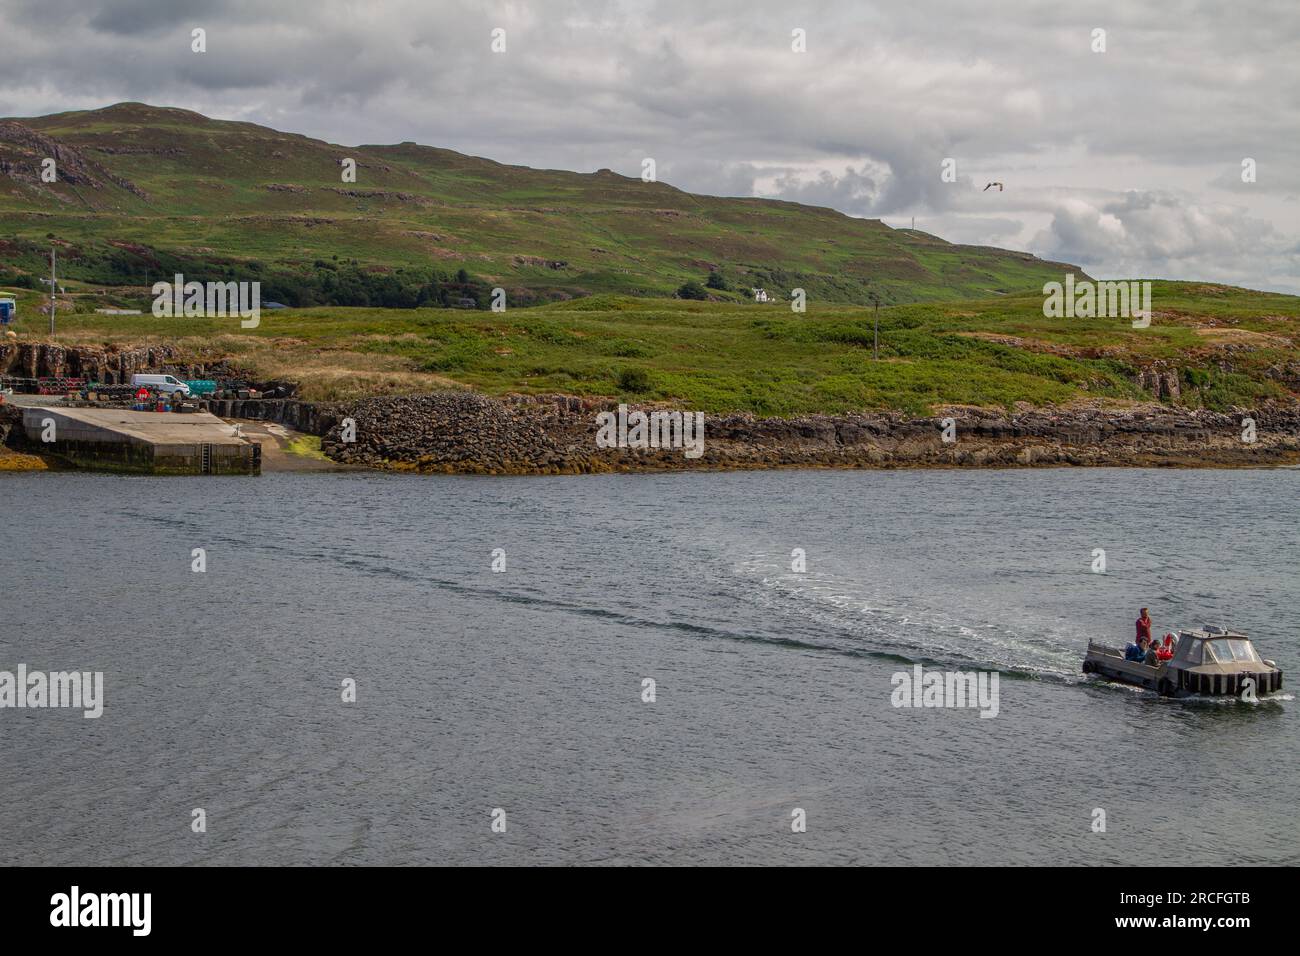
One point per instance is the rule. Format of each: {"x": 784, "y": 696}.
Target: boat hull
{"x": 1172, "y": 681}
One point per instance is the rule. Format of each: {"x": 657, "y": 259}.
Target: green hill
{"x": 145, "y": 191}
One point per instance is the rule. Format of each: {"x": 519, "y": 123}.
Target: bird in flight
{"x": 991, "y": 185}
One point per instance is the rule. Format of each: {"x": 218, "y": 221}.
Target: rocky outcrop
{"x": 1161, "y": 381}
{"x": 469, "y": 433}
{"x": 382, "y": 195}
{"x": 539, "y": 262}
{"x": 31, "y": 147}
{"x": 110, "y": 365}
{"x": 34, "y": 147}
{"x": 140, "y": 150}
{"x": 1287, "y": 373}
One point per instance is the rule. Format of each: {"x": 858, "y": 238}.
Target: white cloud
{"x": 1150, "y": 235}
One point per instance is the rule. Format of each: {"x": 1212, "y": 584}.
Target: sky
{"x": 1126, "y": 160}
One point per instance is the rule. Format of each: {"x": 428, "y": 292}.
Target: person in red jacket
{"x": 1143, "y": 626}
{"x": 1166, "y": 650}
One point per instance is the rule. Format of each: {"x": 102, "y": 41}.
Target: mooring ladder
{"x": 207, "y": 459}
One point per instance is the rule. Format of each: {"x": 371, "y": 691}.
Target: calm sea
{"x": 523, "y": 690}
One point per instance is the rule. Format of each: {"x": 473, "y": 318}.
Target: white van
{"x": 160, "y": 383}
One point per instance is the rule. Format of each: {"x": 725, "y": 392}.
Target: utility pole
{"x": 54, "y": 291}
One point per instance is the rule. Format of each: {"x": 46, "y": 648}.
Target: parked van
{"x": 160, "y": 383}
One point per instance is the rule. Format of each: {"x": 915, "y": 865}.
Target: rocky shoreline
{"x": 460, "y": 432}
{"x": 464, "y": 432}
{"x": 467, "y": 433}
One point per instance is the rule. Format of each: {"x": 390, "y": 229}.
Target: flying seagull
{"x": 991, "y": 185}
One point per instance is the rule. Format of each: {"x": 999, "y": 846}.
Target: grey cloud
{"x": 137, "y": 17}
{"x": 855, "y": 192}
{"x": 1163, "y": 236}
{"x": 714, "y": 179}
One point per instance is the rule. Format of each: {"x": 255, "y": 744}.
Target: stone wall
{"x": 314, "y": 418}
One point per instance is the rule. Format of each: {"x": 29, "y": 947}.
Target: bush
{"x": 716, "y": 280}
{"x": 692, "y": 290}
{"x": 634, "y": 380}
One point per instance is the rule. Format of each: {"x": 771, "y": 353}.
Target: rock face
{"x": 111, "y": 367}
{"x": 36, "y": 147}
{"x": 469, "y": 433}
{"x": 1160, "y": 381}
{"x": 31, "y": 147}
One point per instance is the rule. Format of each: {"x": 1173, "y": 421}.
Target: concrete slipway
{"x": 152, "y": 443}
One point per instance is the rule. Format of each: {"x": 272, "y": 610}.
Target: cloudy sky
{"x": 1127, "y": 161}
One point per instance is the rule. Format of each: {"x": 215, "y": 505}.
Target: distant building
{"x": 118, "y": 312}
{"x": 467, "y": 303}
{"x": 760, "y": 295}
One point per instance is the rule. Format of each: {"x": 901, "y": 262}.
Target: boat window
{"x": 1228, "y": 651}
{"x": 1193, "y": 653}
{"x": 1243, "y": 651}
{"x": 1211, "y": 654}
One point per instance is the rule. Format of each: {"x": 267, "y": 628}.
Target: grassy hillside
{"x": 146, "y": 191}
{"x": 1222, "y": 346}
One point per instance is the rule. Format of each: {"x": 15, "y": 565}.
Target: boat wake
{"x": 876, "y": 618}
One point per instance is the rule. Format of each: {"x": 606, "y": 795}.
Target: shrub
{"x": 634, "y": 380}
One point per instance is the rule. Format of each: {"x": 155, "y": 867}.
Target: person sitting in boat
{"x": 1165, "y": 651}
{"x": 1136, "y": 652}
{"x": 1152, "y": 656}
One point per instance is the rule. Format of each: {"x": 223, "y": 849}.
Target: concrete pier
{"x": 149, "y": 443}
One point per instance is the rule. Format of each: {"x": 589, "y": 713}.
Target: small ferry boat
{"x": 1212, "y": 661}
